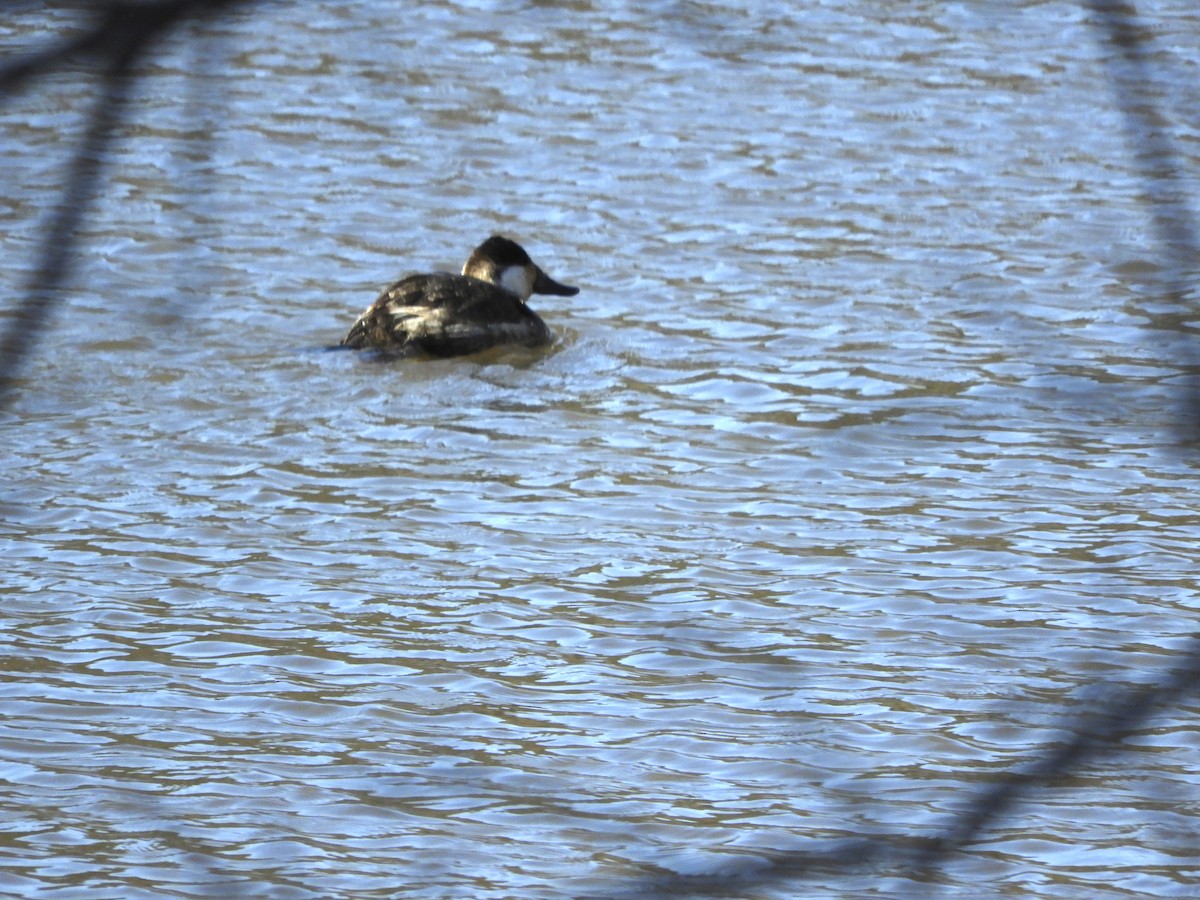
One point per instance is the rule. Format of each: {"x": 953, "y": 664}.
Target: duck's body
{"x": 449, "y": 315}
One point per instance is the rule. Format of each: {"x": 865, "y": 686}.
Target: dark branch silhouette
{"x": 121, "y": 36}
{"x": 1163, "y": 171}
{"x": 1103, "y": 724}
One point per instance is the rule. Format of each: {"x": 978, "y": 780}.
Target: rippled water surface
{"x": 853, "y": 470}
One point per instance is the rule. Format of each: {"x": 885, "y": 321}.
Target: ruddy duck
{"x": 449, "y": 315}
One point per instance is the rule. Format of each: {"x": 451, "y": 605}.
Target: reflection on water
{"x": 850, "y": 470}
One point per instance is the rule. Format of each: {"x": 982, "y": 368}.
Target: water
{"x": 854, "y": 467}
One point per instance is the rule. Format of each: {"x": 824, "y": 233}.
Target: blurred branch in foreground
{"x": 121, "y": 35}
{"x": 1163, "y": 171}
{"x": 1098, "y": 729}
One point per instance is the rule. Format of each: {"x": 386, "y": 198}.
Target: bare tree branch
{"x": 120, "y": 37}
{"x": 1132, "y": 75}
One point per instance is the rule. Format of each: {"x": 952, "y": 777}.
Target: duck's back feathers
{"x": 445, "y": 315}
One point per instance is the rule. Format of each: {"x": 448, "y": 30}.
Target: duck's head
{"x": 505, "y": 264}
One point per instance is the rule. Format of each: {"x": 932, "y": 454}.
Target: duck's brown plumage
{"x": 446, "y": 315}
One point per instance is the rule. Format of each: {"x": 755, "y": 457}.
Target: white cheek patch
{"x": 518, "y": 280}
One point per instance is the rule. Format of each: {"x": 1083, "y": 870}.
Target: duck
{"x": 443, "y": 314}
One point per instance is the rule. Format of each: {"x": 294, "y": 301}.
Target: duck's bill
{"x": 544, "y": 284}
